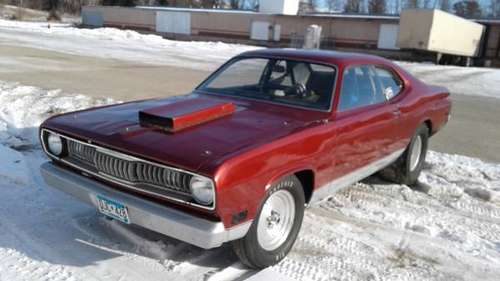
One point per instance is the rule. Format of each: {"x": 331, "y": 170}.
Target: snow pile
{"x": 459, "y": 80}
{"x": 119, "y": 44}
{"x": 22, "y": 109}
{"x": 114, "y": 34}
{"x": 447, "y": 228}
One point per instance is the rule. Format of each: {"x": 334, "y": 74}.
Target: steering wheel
{"x": 299, "y": 89}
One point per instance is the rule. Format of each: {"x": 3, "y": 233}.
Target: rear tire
{"x": 276, "y": 226}
{"x": 409, "y": 165}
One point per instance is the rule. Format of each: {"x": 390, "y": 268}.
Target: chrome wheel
{"x": 415, "y": 153}
{"x": 276, "y": 220}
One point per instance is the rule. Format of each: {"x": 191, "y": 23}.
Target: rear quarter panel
{"x": 441, "y": 107}
{"x": 420, "y": 103}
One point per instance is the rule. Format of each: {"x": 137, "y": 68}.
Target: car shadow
{"x": 90, "y": 239}
{"x": 380, "y": 179}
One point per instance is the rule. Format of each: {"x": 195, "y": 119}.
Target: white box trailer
{"x": 439, "y": 32}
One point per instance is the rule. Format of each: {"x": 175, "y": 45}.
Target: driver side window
{"x": 359, "y": 88}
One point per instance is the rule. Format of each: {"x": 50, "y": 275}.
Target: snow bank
{"x": 114, "y": 34}
{"x": 120, "y": 44}
{"x": 459, "y": 80}
{"x": 24, "y": 108}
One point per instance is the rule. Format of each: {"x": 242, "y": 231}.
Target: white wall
{"x": 284, "y": 7}
{"x": 92, "y": 18}
{"x": 388, "y": 36}
{"x": 173, "y": 22}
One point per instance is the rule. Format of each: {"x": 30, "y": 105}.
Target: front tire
{"x": 409, "y": 165}
{"x": 276, "y": 226}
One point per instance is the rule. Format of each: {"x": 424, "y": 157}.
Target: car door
{"x": 365, "y": 121}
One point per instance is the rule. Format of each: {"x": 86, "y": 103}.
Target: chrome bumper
{"x": 171, "y": 222}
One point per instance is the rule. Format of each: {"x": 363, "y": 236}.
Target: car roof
{"x": 321, "y": 56}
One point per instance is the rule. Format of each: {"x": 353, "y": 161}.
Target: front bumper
{"x": 171, "y": 222}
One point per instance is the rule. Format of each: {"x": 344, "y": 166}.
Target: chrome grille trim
{"x": 81, "y": 152}
{"x": 138, "y": 172}
{"x": 117, "y": 172}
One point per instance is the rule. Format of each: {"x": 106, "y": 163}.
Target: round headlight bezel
{"x": 55, "y": 145}
{"x": 202, "y": 190}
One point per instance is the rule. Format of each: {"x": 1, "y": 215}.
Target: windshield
{"x": 283, "y": 81}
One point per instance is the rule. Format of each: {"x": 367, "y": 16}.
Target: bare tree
{"x": 445, "y": 5}
{"x": 330, "y": 5}
{"x": 393, "y": 7}
{"x": 397, "y": 6}
{"x": 411, "y": 4}
{"x": 468, "y": 9}
{"x": 234, "y": 4}
{"x": 316, "y": 4}
{"x": 352, "y": 6}
{"x": 376, "y": 6}
{"x": 495, "y": 8}
{"x": 306, "y": 6}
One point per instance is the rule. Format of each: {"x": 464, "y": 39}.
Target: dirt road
{"x": 473, "y": 130}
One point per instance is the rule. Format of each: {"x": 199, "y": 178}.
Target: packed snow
{"x": 472, "y": 81}
{"x": 153, "y": 49}
{"x": 448, "y": 228}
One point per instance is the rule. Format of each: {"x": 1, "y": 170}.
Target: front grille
{"x": 81, "y": 152}
{"x": 133, "y": 172}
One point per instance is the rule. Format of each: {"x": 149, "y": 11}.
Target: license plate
{"x": 113, "y": 209}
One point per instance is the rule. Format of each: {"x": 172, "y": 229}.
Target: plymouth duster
{"x": 240, "y": 158}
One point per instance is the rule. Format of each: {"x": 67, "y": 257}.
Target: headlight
{"x": 54, "y": 144}
{"x": 202, "y": 190}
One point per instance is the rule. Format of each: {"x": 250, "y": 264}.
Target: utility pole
{"x": 20, "y": 11}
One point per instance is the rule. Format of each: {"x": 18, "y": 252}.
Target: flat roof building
{"x": 274, "y": 26}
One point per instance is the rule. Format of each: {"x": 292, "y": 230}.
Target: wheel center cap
{"x": 273, "y": 219}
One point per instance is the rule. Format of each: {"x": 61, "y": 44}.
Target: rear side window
{"x": 390, "y": 83}
{"x": 359, "y": 88}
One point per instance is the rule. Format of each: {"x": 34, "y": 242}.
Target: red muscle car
{"x": 239, "y": 159}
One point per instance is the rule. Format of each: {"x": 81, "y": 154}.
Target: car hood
{"x": 250, "y": 125}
